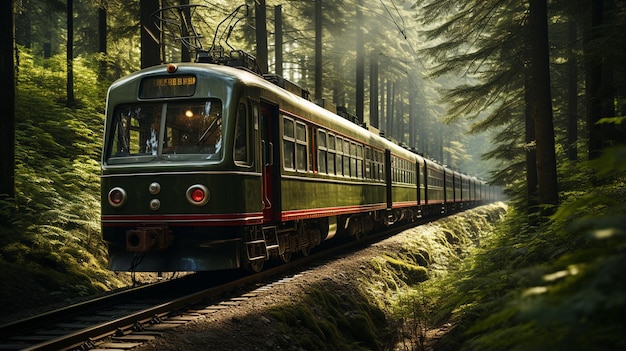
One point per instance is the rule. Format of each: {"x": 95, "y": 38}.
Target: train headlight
{"x": 117, "y": 197}
{"x": 155, "y": 204}
{"x": 154, "y": 188}
{"x": 198, "y": 195}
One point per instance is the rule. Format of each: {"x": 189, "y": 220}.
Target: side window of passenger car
{"x": 289, "y": 144}
{"x": 322, "y": 151}
{"x": 242, "y": 149}
{"x": 301, "y": 147}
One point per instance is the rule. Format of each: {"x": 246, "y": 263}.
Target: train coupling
{"x": 148, "y": 238}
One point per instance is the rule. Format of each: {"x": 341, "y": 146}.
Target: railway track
{"x": 128, "y": 318}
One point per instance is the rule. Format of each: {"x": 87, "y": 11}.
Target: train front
{"x": 179, "y": 182}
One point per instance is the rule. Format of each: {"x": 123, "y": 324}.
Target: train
{"x": 211, "y": 166}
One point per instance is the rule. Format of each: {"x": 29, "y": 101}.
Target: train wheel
{"x": 306, "y": 251}
{"x": 255, "y": 266}
{"x": 286, "y": 257}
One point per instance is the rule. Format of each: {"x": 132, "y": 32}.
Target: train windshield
{"x": 172, "y": 131}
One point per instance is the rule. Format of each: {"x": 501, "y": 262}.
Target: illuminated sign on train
{"x": 168, "y": 86}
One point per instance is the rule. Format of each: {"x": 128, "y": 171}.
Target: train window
{"x": 189, "y": 130}
{"x": 398, "y": 169}
{"x": 379, "y": 162}
{"x": 405, "y": 173}
{"x": 346, "y": 158}
{"x": 394, "y": 169}
{"x": 339, "y": 159}
{"x": 331, "y": 154}
{"x": 136, "y": 130}
{"x": 242, "y": 154}
{"x": 301, "y": 146}
{"x": 322, "y": 151}
{"x": 408, "y": 173}
{"x": 352, "y": 159}
{"x": 374, "y": 170}
{"x": 289, "y": 144}
{"x": 368, "y": 162}
{"x": 194, "y": 129}
{"x": 359, "y": 161}
{"x": 311, "y": 153}
{"x": 374, "y": 165}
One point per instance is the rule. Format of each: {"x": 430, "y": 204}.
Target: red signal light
{"x": 171, "y": 68}
{"x": 117, "y": 197}
{"x": 198, "y": 195}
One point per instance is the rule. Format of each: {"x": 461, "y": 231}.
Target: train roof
{"x": 287, "y": 101}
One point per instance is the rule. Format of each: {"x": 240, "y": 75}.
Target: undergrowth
{"x": 559, "y": 285}
{"x": 326, "y": 320}
{"x": 413, "y": 305}
{"x": 388, "y": 306}
{"x": 50, "y": 242}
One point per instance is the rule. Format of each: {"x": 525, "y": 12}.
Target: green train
{"x": 210, "y": 167}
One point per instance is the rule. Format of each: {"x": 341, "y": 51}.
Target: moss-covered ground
{"x": 385, "y": 306}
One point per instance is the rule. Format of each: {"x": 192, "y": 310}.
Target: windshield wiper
{"x": 209, "y": 131}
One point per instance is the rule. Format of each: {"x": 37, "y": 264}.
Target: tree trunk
{"x": 150, "y": 34}
{"x": 360, "y": 63}
{"x": 593, "y": 77}
{"x": 374, "y": 93}
{"x": 439, "y": 138}
{"x": 541, "y": 103}
{"x": 260, "y": 11}
{"x": 572, "y": 94}
{"x": 7, "y": 101}
{"x": 102, "y": 41}
{"x": 318, "y": 49}
{"x": 412, "y": 121}
{"x": 278, "y": 40}
{"x": 390, "y": 97}
{"x": 70, "y": 52}
{"x": 185, "y": 54}
{"x": 23, "y": 27}
{"x": 382, "y": 119}
{"x": 531, "y": 156}
{"x": 400, "y": 114}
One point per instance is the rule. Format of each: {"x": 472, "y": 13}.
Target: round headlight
{"x": 117, "y": 197}
{"x": 154, "y": 188}
{"x": 198, "y": 195}
{"x": 155, "y": 204}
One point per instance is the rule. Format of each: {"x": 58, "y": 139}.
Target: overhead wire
{"x": 401, "y": 29}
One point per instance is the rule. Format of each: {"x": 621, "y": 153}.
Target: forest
{"x": 529, "y": 95}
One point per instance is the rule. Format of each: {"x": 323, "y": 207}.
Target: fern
{"x": 560, "y": 286}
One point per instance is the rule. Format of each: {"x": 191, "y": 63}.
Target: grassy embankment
{"x": 385, "y": 304}
{"x": 559, "y": 284}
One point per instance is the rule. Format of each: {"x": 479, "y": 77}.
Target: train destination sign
{"x": 167, "y": 86}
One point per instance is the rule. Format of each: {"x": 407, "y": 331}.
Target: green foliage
{"x": 557, "y": 286}
{"x": 55, "y": 215}
{"x": 326, "y": 321}
{"x": 395, "y": 280}
{"x": 411, "y": 272}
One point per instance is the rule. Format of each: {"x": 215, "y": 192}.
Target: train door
{"x": 426, "y": 184}
{"x": 271, "y": 162}
{"x": 388, "y": 178}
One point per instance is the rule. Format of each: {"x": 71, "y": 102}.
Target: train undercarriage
{"x": 159, "y": 248}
